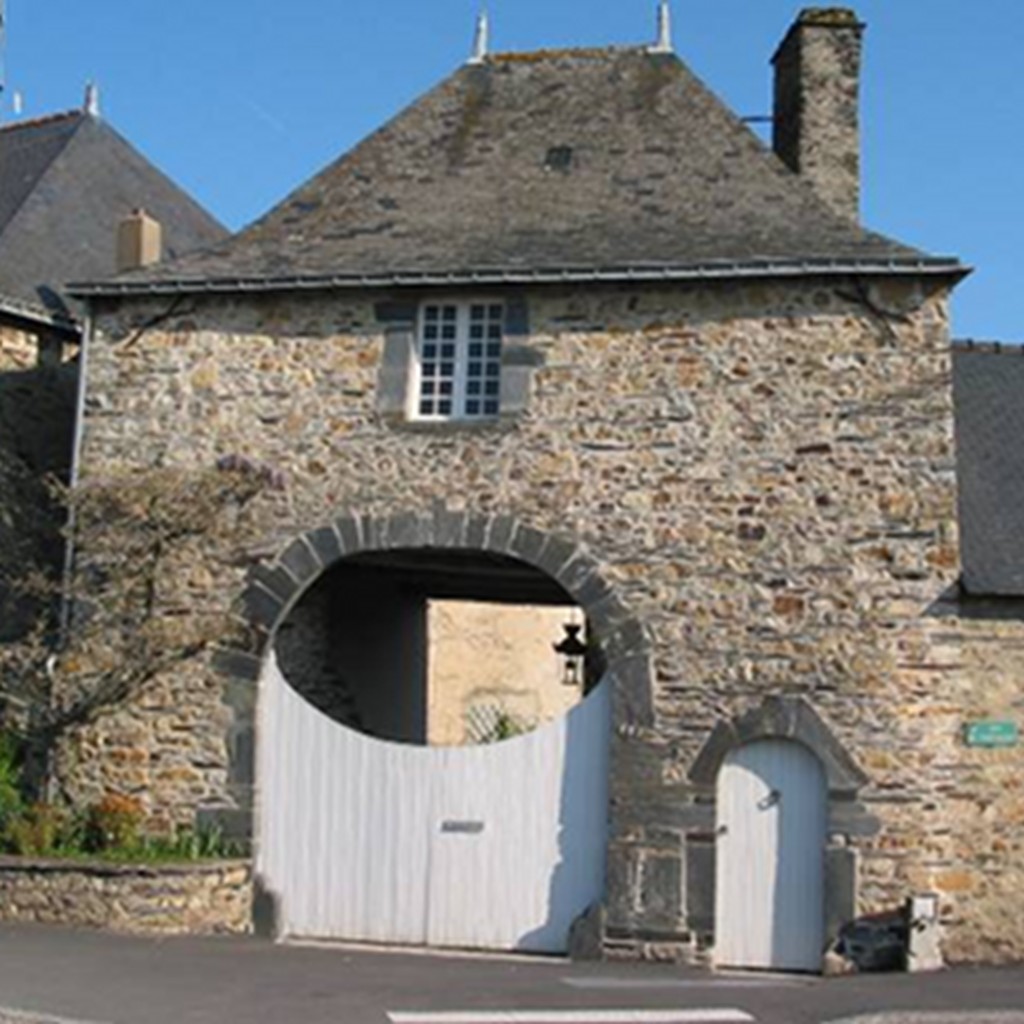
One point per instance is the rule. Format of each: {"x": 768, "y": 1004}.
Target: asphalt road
{"x": 106, "y": 979}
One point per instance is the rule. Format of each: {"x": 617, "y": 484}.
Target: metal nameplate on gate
{"x": 464, "y": 828}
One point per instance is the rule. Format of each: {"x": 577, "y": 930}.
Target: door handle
{"x": 773, "y": 798}
{"x": 722, "y": 830}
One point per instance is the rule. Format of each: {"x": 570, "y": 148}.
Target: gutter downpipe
{"x": 76, "y": 459}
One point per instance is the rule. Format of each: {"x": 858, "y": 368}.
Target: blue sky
{"x": 242, "y": 101}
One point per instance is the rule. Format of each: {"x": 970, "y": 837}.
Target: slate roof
{"x": 988, "y": 393}
{"x": 618, "y": 162}
{"x": 65, "y": 182}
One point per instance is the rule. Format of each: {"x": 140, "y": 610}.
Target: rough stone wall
{"x": 766, "y": 474}
{"x": 194, "y": 899}
{"x": 971, "y": 800}
{"x": 307, "y": 658}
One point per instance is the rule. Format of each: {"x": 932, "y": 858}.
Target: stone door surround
{"x": 794, "y": 719}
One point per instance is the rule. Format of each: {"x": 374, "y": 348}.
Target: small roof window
{"x": 559, "y": 158}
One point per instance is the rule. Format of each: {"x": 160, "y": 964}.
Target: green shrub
{"x": 40, "y": 830}
{"x": 11, "y": 800}
{"x": 114, "y": 823}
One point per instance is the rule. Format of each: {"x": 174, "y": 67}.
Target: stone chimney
{"x": 817, "y": 104}
{"x": 139, "y": 241}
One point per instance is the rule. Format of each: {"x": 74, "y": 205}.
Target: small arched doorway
{"x": 772, "y": 812}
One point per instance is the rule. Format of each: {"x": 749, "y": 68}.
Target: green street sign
{"x": 992, "y": 734}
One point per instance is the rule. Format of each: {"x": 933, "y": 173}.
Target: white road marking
{"x": 711, "y": 981}
{"x": 10, "y": 1016}
{"x": 937, "y": 1017}
{"x": 696, "y": 1016}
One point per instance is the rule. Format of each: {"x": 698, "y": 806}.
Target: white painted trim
{"x": 697, "y": 1016}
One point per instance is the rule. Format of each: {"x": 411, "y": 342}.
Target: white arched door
{"x": 770, "y": 857}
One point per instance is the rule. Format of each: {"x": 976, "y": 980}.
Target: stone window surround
{"x": 396, "y": 378}
{"x": 794, "y": 719}
{"x": 275, "y": 588}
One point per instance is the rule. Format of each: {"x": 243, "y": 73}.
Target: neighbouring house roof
{"x": 65, "y": 183}
{"x": 568, "y": 165}
{"x": 988, "y": 391}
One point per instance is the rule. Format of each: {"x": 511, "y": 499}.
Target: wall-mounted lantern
{"x": 573, "y": 651}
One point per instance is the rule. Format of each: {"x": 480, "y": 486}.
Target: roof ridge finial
{"x": 481, "y": 40}
{"x": 91, "y": 106}
{"x": 664, "y": 43}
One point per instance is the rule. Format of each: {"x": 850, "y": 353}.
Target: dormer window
{"x": 458, "y": 361}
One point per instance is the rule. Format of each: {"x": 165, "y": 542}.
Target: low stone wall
{"x": 167, "y": 899}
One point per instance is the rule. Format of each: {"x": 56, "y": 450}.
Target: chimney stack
{"x": 139, "y": 241}
{"x": 817, "y": 104}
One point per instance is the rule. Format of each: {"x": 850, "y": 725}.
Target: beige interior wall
{"x": 492, "y": 657}
{"x": 19, "y": 350}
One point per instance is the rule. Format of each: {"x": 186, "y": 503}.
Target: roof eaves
{"x": 1001, "y": 348}
{"x": 719, "y": 270}
{"x": 33, "y": 314}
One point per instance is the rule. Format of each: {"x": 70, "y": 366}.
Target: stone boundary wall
{"x": 167, "y": 899}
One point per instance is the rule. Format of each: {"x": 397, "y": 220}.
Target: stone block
{"x": 517, "y": 317}
{"x": 558, "y": 551}
{"x": 393, "y": 377}
{"x": 700, "y": 885}
{"x": 515, "y": 390}
{"x": 326, "y": 544}
{"x": 277, "y": 580}
{"x": 840, "y": 889}
{"x": 499, "y": 537}
{"x": 396, "y": 312}
{"x": 301, "y": 562}
{"x": 349, "y": 530}
{"x": 661, "y": 891}
{"x": 261, "y": 607}
{"x": 238, "y": 664}
{"x": 407, "y": 530}
{"x": 449, "y": 529}
{"x": 527, "y": 544}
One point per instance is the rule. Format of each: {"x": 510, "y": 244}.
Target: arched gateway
{"x": 498, "y": 846}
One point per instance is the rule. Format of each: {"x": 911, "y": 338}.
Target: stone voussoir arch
{"x": 786, "y": 718}
{"x": 275, "y": 588}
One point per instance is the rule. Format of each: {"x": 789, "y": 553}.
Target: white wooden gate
{"x": 489, "y": 847}
{"x": 770, "y": 876}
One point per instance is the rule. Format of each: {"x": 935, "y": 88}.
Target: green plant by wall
{"x": 114, "y": 823}
{"x": 11, "y": 800}
{"x": 40, "y": 830}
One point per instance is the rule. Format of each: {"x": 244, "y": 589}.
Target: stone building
{"x": 566, "y": 331}
{"x": 66, "y": 181}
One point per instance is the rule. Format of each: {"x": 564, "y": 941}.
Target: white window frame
{"x": 465, "y": 389}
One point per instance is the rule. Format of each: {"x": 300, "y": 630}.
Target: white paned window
{"x": 458, "y": 361}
